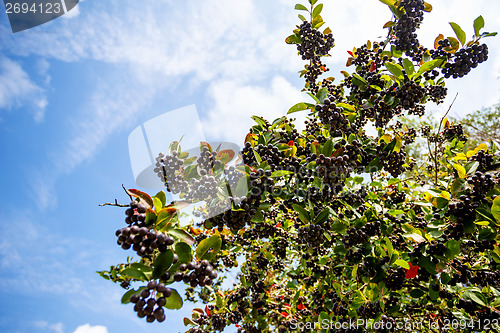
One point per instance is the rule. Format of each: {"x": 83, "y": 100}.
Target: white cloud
{"x": 91, "y": 329}
{"x": 57, "y": 328}
{"x": 17, "y": 89}
{"x": 234, "y": 103}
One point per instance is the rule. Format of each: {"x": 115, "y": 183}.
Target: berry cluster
{"x": 395, "y": 278}
{"x": 333, "y": 117}
{"x": 369, "y": 310}
{"x": 437, "y": 93}
{"x": 143, "y": 240}
{"x": 201, "y": 273}
{"x": 485, "y": 160}
{"x": 454, "y": 131}
{"x": 406, "y": 38}
{"x": 481, "y": 183}
{"x": 392, "y": 161}
{"x": 464, "y": 60}
{"x": 136, "y": 213}
{"x": 311, "y": 235}
{"x": 170, "y": 170}
{"x": 409, "y": 95}
{"x": 149, "y": 303}
{"x": 313, "y": 43}
{"x": 357, "y": 236}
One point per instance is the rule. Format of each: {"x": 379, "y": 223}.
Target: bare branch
{"x": 116, "y": 204}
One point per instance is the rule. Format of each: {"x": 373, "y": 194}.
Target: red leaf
{"x": 350, "y": 53}
{"x": 372, "y": 67}
{"x": 144, "y": 197}
{"x": 238, "y": 326}
{"x": 287, "y": 306}
{"x": 301, "y": 306}
{"x": 207, "y": 311}
{"x": 284, "y": 314}
{"x": 291, "y": 143}
{"x": 412, "y": 272}
{"x": 278, "y": 225}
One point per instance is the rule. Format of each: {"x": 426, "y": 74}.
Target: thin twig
{"x": 131, "y": 199}
{"x": 436, "y": 142}
{"x": 116, "y": 204}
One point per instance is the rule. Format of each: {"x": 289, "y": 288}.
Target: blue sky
{"x": 73, "y": 89}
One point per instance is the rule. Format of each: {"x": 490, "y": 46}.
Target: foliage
{"x": 331, "y": 226}
{"x": 483, "y": 125}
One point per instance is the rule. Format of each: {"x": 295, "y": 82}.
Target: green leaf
{"x": 427, "y": 264}
{"x": 476, "y": 296}
{"x": 409, "y": 67}
{"x": 126, "y": 297}
{"x": 302, "y": 17}
{"x": 293, "y": 39}
{"x": 162, "y": 197}
{"x": 417, "y": 293}
{"x": 428, "y": 66}
{"x": 314, "y": 97}
{"x": 259, "y": 121}
{"x": 489, "y": 34}
{"x": 281, "y": 173}
{"x": 300, "y": 107}
{"x": 396, "y": 70}
{"x": 322, "y": 94}
{"x": 402, "y": 263}
{"x": 257, "y": 156}
{"x": 452, "y": 249}
{"x": 458, "y": 186}
{"x": 134, "y": 273}
{"x": 174, "y": 302}
{"x": 242, "y": 187}
{"x": 471, "y": 167}
{"x": 388, "y": 2}
{"x": 360, "y": 80}
{"x": 301, "y": 7}
{"x": 182, "y": 235}
{"x": 478, "y": 25}
{"x": 157, "y": 204}
{"x": 162, "y": 263}
{"x": 317, "y": 10}
{"x": 459, "y": 32}
{"x": 189, "y": 322}
{"x": 495, "y": 208}
{"x": 322, "y": 216}
{"x": 303, "y": 214}
{"x": 328, "y": 148}
{"x": 208, "y": 248}
{"x": 347, "y": 107}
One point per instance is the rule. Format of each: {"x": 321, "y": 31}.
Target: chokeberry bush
{"x": 331, "y": 225}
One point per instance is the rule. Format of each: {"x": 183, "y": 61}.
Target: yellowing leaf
{"x": 427, "y": 196}
{"x": 482, "y": 146}
{"x": 446, "y": 123}
{"x": 386, "y": 137}
{"x": 460, "y": 157}
{"x": 461, "y": 170}
{"x": 399, "y": 144}
{"x": 446, "y": 195}
{"x": 471, "y": 153}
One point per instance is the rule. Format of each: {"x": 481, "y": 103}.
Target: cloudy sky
{"x": 72, "y": 90}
